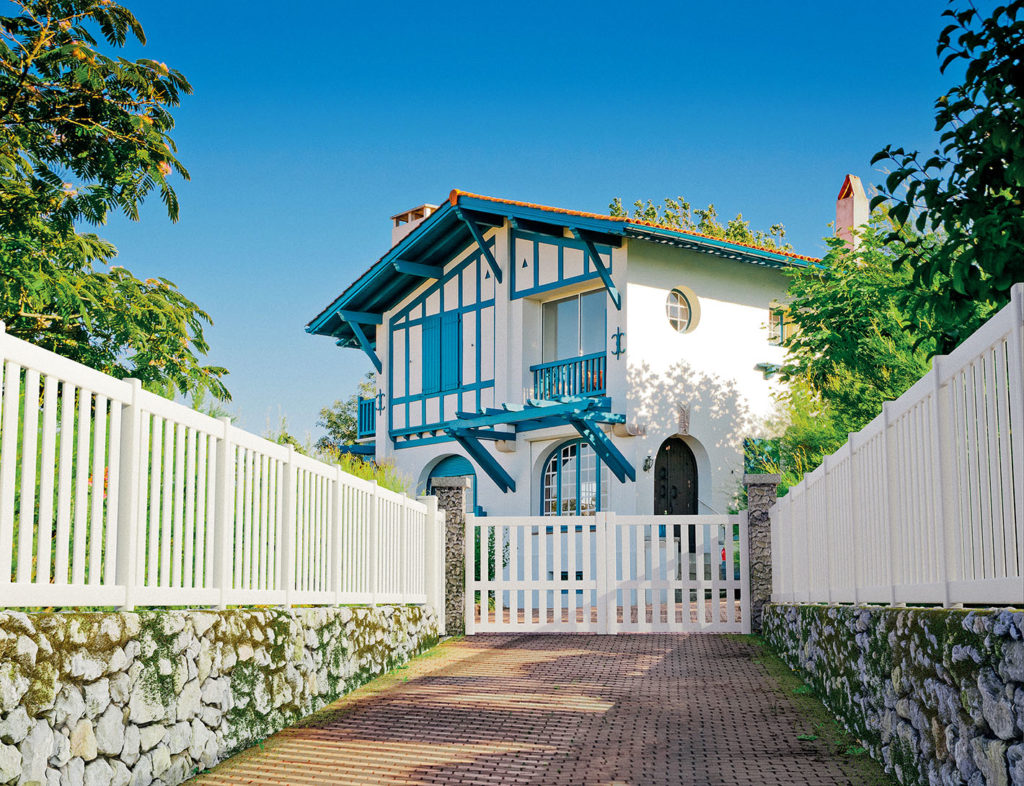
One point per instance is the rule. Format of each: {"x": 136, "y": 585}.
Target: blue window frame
{"x": 573, "y": 482}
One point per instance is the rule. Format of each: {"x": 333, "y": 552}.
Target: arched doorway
{"x": 675, "y": 479}
{"x": 456, "y": 467}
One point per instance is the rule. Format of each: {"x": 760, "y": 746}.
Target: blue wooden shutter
{"x": 451, "y": 350}
{"x": 432, "y": 354}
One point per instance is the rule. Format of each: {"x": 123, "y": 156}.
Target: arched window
{"x": 574, "y": 481}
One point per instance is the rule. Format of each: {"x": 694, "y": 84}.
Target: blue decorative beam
{"x": 483, "y": 458}
{"x": 605, "y": 448}
{"x": 602, "y": 271}
{"x": 362, "y": 317}
{"x": 366, "y": 346}
{"x": 531, "y": 413}
{"x": 417, "y": 269}
{"x": 474, "y": 230}
{"x": 359, "y": 450}
{"x": 491, "y": 434}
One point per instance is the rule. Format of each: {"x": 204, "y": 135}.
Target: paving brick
{"x": 555, "y": 709}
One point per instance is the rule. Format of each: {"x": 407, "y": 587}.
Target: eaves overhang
{"x": 422, "y": 254}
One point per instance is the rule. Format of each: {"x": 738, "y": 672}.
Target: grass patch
{"x": 817, "y": 727}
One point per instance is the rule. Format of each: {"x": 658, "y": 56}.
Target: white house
{"x": 568, "y": 362}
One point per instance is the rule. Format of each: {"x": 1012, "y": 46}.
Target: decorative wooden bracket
{"x": 602, "y": 271}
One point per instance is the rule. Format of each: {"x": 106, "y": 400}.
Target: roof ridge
{"x": 457, "y": 194}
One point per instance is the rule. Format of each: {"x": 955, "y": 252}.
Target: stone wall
{"x": 937, "y": 695}
{"x": 761, "y": 495}
{"x": 452, "y": 496}
{"x": 157, "y": 696}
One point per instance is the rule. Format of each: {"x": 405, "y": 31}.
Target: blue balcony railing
{"x": 582, "y": 376}
{"x": 366, "y": 418}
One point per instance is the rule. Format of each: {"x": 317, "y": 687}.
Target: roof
{"x": 444, "y": 233}
{"x": 457, "y": 195}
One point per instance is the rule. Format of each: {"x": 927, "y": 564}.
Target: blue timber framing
{"x": 584, "y": 414}
{"x": 417, "y": 269}
{"x": 364, "y": 449}
{"x": 478, "y": 236}
{"x": 462, "y": 309}
{"x": 470, "y": 442}
{"x": 602, "y": 271}
{"x": 356, "y": 319}
{"x": 590, "y": 430}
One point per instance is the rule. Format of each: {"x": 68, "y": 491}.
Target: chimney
{"x": 405, "y": 222}
{"x": 851, "y": 210}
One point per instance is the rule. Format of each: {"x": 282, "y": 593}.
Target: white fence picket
{"x": 114, "y": 496}
{"x": 926, "y": 503}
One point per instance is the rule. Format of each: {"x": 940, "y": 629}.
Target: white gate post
{"x": 128, "y": 474}
{"x": 601, "y": 547}
{"x": 223, "y": 520}
{"x": 334, "y": 552}
{"x": 372, "y": 536}
{"x": 942, "y": 479}
{"x": 469, "y": 593}
{"x": 610, "y": 589}
{"x": 434, "y": 559}
{"x": 745, "y": 604}
{"x": 288, "y": 528}
{"x": 889, "y": 465}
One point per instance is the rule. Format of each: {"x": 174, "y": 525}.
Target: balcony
{"x": 579, "y": 376}
{"x": 366, "y": 419}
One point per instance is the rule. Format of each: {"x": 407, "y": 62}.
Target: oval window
{"x": 680, "y": 314}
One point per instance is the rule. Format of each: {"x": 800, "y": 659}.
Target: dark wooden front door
{"x": 675, "y": 479}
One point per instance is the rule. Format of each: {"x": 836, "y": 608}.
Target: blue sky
{"x": 308, "y": 130}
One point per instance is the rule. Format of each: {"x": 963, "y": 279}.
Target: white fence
{"x": 926, "y": 503}
{"x": 607, "y": 574}
{"x": 113, "y": 496}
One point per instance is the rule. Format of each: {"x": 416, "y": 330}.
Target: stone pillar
{"x": 760, "y": 497}
{"x": 452, "y": 496}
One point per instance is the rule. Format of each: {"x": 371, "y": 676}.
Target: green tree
{"x": 851, "y": 347}
{"x": 678, "y": 214}
{"x": 972, "y": 185}
{"x": 83, "y": 134}
{"x": 852, "y": 341}
{"x": 340, "y": 419}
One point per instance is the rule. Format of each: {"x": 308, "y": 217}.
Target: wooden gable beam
{"x": 471, "y": 444}
{"x": 604, "y": 448}
{"x": 362, "y": 317}
{"x": 366, "y": 346}
{"x": 602, "y": 271}
{"x": 474, "y": 230}
{"x": 355, "y": 320}
{"x": 417, "y": 269}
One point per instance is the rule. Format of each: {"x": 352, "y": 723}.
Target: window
{"x": 680, "y": 315}
{"x": 574, "y": 326}
{"x": 780, "y": 326}
{"x": 575, "y": 483}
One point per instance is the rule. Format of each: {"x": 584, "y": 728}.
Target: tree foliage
{"x": 854, "y": 344}
{"x": 82, "y": 134}
{"x": 678, "y": 214}
{"x": 972, "y": 186}
{"x": 853, "y": 347}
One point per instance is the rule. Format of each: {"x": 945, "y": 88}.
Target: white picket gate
{"x": 607, "y": 574}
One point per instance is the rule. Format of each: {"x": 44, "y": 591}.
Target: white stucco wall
{"x": 709, "y": 369}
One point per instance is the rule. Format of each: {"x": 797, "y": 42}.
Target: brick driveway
{"x": 554, "y": 709}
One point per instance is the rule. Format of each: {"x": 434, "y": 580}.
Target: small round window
{"x": 680, "y": 314}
